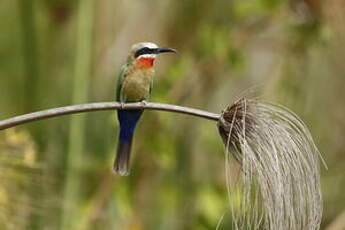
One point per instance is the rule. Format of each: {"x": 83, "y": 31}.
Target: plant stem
{"x": 30, "y": 52}
{"x": 82, "y": 108}
{"x": 77, "y": 124}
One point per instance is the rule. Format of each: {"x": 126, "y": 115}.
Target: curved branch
{"x": 22, "y": 119}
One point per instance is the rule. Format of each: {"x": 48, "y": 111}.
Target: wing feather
{"x": 120, "y": 80}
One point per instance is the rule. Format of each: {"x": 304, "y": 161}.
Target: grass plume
{"x": 280, "y": 180}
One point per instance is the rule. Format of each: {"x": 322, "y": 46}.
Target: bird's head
{"x": 145, "y": 53}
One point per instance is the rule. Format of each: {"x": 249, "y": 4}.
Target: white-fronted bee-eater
{"x": 134, "y": 85}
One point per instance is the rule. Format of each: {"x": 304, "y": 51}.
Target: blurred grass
{"x": 77, "y": 124}
{"x": 59, "y": 52}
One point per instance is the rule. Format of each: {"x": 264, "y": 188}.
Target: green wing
{"x": 151, "y": 87}
{"x": 120, "y": 80}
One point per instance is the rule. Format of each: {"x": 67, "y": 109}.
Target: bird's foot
{"x": 122, "y": 105}
{"x": 144, "y": 103}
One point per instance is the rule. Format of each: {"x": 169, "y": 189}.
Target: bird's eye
{"x": 142, "y": 51}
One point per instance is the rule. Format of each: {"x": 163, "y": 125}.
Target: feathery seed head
{"x": 280, "y": 179}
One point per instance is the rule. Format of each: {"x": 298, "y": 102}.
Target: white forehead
{"x": 144, "y": 44}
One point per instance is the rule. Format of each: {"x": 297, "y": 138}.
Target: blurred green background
{"x": 56, "y": 173}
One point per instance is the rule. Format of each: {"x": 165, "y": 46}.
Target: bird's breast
{"x": 136, "y": 85}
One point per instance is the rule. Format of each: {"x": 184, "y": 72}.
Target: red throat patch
{"x": 146, "y": 62}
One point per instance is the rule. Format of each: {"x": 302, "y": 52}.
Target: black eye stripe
{"x": 144, "y": 50}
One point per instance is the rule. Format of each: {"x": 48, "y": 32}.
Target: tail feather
{"x": 121, "y": 164}
{"x": 128, "y": 120}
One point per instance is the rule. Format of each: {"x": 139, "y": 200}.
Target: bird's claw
{"x": 122, "y": 105}
{"x": 144, "y": 103}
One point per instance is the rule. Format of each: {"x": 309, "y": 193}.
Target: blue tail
{"x": 128, "y": 120}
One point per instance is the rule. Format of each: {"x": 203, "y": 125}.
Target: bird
{"x": 134, "y": 85}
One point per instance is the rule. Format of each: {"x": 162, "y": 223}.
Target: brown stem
{"x": 22, "y": 119}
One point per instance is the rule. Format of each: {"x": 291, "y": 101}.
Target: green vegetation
{"x": 57, "y": 174}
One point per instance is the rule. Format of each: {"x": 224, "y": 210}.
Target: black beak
{"x": 165, "y": 50}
